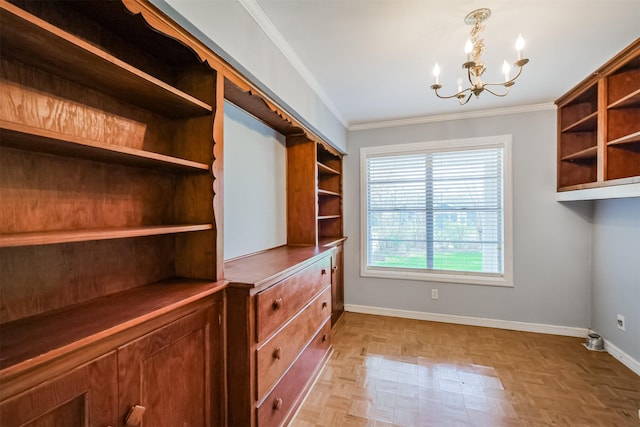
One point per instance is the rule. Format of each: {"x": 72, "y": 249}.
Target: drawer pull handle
{"x": 277, "y": 352}
{"x": 134, "y": 416}
{"x": 324, "y": 271}
{"x": 277, "y": 404}
{"x": 324, "y": 338}
{"x": 324, "y": 305}
{"x": 277, "y": 303}
{"x": 334, "y": 268}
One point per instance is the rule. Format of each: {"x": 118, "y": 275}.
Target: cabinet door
{"x": 174, "y": 372}
{"x": 337, "y": 284}
{"x": 84, "y": 397}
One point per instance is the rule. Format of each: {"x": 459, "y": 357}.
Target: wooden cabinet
{"x": 175, "y": 372}
{"x": 164, "y": 351}
{"x": 86, "y": 396}
{"x": 337, "y": 283}
{"x": 599, "y": 131}
{"x": 314, "y": 204}
{"x": 279, "y": 331}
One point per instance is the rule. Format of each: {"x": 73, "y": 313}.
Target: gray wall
{"x": 616, "y": 272}
{"x": 230, "y": 27}
{"x": 552, "y": 241}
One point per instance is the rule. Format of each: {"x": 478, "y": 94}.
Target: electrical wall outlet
{"x": 434, "y": 294}
{"x": 621, "y": 322}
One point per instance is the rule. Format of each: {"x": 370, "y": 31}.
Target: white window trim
{"x": 505, "y": 279}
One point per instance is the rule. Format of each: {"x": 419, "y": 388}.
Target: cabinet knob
{"x": 134, "y": 416}
{"x": 324, "y": 305}
{"x": 277, "y": 404}
{"x": 334, "y": 268}
{"x": 324, "y": 271}
{"x": 277, "y": 352}
{"x": 277, "y": 303}
{"x": 324, "y": 338}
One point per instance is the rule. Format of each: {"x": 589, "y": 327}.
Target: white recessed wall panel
{"x": 255, "y": 203}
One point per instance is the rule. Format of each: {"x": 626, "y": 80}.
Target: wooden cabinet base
{"x": 279, "y": 406}
{"x": 269, "y": 373}
{"x": 86, "y": 396}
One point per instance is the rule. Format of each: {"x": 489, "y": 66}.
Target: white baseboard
{"x": 472, "y": 321}
{"x": 623, "y": 357}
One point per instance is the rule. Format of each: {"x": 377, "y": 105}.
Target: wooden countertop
{"x": 33, "y": 341}
{"x": 264, "y": 268}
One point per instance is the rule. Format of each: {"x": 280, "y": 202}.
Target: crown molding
{"x": 453, "y": 116}
{"x": 261, "y": 18}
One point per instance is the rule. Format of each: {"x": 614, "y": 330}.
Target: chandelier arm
{"x": 497, "y": 94}
{"x": 455, "y": 95}
{"x": 469, "y": 76}
{"x": 465, "y": 101}
{"x": 509, "y": 82}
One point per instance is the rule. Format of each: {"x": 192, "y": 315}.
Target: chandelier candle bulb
{"x": 506, "y": 68}
{"x": 519, "y": 46}
{"x": 468, "y": 47}
{"x": 436, "y": 72}
{"x": 459, "y": 84}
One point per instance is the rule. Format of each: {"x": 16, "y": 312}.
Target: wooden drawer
{"x": 280, "y": 302}
{"x": 275, "y": 356}
{"x": 275, "y": 409}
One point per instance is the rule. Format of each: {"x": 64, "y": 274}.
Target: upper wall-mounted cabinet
{"x": 599, "y": 132}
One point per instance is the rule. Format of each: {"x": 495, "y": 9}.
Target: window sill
{"x": 453, "y": 277}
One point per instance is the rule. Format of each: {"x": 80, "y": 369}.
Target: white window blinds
{"x": 436, "y": 210}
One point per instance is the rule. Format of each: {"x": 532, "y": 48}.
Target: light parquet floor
{"x": 398, "y": 372}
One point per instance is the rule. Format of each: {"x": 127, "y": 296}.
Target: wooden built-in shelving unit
{"x": 329, "y": 177}
{"x": 111, "y": 237}
{"x": 107, "y": 226}
{"x": 599, "y": 131}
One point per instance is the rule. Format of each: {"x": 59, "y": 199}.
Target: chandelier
{"x": 474, "y": 48}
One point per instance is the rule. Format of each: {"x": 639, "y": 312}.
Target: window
{"x": 438, "y": 211}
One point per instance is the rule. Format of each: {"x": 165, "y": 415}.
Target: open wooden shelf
{"x": 46, "y": 141}
{"x": 630, "y": 100}
{"x": 627, "y": 139}
{"x": 51, "y": 49}
{"x": 326, "y": 170}
{"x": 323, "y": 217}
{"x": 8, "y": 240}
{"x": 586, "y": 124}
{"x": 331, "y": 241}
{"x": 29, "y": 341}
{"x": 322, "y": 192}
{"x": 586, "y": 154}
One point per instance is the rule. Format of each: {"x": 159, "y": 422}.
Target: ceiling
{"x": 371, "y": 60}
